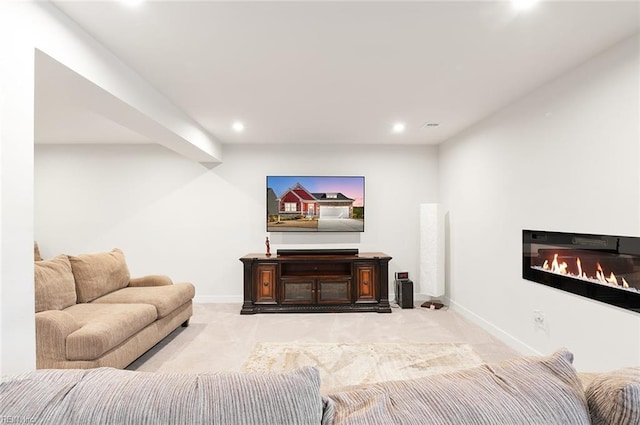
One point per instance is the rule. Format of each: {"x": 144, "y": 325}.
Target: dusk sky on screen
{"x": 351, "y": 187}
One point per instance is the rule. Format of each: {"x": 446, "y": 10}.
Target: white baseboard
{"x": 218, "y": 299}
{"x": 499, "y": 333}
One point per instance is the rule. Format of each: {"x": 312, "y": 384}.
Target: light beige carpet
{"x": 343, "y": 364}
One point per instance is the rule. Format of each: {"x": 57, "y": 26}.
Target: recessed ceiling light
{"x": 237, "y": 126}
{"x": 524, "y": 4}
{"x": 132, "y": 2}
{"x": 399, "y": 127}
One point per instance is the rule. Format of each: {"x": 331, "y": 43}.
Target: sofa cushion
{"x": 532, "y": 390}
{"x": 151, "y": 280}
{"x": 269, "y": 398}
{"x": 99, "y": 274}
{"x": 111, "y": 396}
{"x": 55, "y": 288}
{"x": 104, "y": 326}
{"x": 614, "y": 398}
{"x": 165, "y": 298}
{"x": 26, "y": 397}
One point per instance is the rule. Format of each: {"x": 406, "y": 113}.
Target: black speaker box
{"x": 404, "y": 293}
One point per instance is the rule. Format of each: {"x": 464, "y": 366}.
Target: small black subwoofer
{"x": 404, "y": 292}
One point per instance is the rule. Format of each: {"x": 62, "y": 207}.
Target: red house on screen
{"x": 298, "y": 200}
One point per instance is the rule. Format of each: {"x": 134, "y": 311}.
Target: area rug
{"x": 343, "y": 364}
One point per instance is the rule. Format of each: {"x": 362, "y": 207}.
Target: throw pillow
{"x": 55, "y": 288}
{"x": 614, "y": 398}
{"x": 36, "y": 252}
{"x": 99, "y": 274}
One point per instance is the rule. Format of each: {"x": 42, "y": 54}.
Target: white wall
{"x": 174, "y": 216}
{"x": 16, "y": 227}
{"x": 26, "y": 27}
{"x": 564, "y": 158}
{"x": 491, "y": 179}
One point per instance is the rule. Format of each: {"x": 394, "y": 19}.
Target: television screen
{"x": 315, "y": 204}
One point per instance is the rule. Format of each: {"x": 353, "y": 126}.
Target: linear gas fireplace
{"x": 604, "y": 268}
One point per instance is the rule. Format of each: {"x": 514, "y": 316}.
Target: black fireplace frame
{"x": 625, "y": 299}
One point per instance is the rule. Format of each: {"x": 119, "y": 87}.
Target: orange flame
{"x": 562, "y": 268}
{"x": 579, "y": 264}
{"x": 556, "y": 267}
{"x": 600, "y": 273}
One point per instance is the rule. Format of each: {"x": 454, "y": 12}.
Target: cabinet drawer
{"x": 316, "y": 269}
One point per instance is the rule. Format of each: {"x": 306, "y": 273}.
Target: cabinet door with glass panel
{"x": 316, "y": 290}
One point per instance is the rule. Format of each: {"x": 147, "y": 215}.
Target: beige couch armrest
{"x": 52, "y": 329}
{"x": 151, "y": 280}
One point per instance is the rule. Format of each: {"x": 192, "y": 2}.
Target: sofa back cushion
{"x": 111, "y": 396}
{"x": 99, "y": 274}
{"x": 55, "y": 288}
{"x": 523, "y": 391}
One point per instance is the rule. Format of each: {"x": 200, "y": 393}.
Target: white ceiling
{"x": 335, "y": 72}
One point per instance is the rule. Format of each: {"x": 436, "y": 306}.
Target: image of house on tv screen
{"x": 315, "y": 204}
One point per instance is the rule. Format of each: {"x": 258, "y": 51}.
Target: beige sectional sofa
{"x": 522, "y": 391}
{"x": 90, "y": 313}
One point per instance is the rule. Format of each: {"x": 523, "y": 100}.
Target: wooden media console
{"x": 317, "y": 280}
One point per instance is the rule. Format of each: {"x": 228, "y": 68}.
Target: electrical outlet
{"x": 538, "y": 319}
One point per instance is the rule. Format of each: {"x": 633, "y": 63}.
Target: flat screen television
{"x": 315, "y": 204}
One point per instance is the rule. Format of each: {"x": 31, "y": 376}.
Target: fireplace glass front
{"x": 601, "y": 267}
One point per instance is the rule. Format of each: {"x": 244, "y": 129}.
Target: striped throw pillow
{"x": 614, "y": 398}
